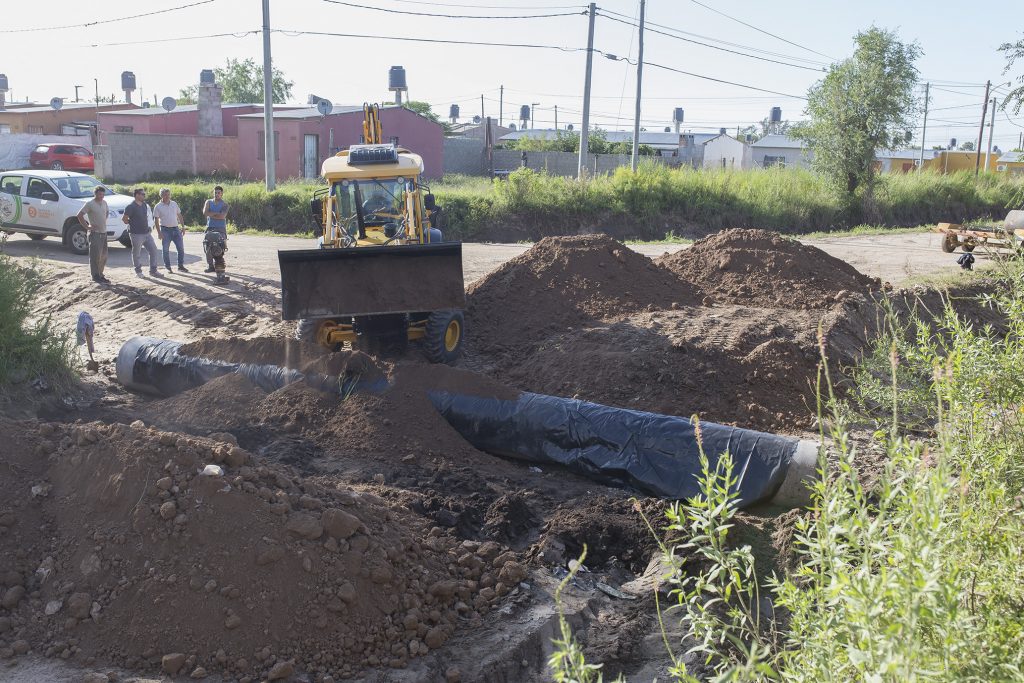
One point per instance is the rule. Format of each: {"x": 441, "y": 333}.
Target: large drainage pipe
{"x": 655, "y": 454}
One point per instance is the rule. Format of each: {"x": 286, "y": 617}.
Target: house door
{"x": 311, "y": 156}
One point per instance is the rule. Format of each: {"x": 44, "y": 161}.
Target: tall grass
{"x": 643, "y": 205}
{"x": 29, "y": 347}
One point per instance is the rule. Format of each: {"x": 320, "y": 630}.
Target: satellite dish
{"x": 56, "y": 103}
{"x": 476, "y": 119}
{"x": 569, "y": 127}
{"x": 324, "y": 107}
{"x": 168, "y": 103}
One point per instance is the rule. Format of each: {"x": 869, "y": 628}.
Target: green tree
{"x": 189, "y": 95}
{"x": 866, "y": 102}
{"x": 967, "y": 146}
{"x": 1015, "y": 98}
{"x": 424, "y": 109}
{"x": 242, "y": 81}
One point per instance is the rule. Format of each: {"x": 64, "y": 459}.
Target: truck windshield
{"x": 78, "y": 187}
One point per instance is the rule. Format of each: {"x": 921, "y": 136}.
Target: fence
{"x": 126, "y": 157}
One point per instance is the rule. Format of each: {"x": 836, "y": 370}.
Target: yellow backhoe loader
{"x": 383, "y": 274}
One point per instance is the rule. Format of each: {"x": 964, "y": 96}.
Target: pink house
{"x": 184, "y": 120}
{"x": 305, "y": 139}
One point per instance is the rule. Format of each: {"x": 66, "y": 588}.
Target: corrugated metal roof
{"x": 778, "y": 141}
{"x": 154, "y": 111}
{"x": 67, "y": 105}
{"x": 306, "y": 112}
{"x": 1011, "y": 157}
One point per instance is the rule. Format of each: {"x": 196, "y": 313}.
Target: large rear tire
{"x": 950, "y": 242}
{"x": 446, "y": 330}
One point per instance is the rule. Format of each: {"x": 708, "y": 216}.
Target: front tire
{"x": 77, "y": 239}
{"x": 445, "y": 334}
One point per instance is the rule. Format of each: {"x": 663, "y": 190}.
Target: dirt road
{"x": 184, "y": 305}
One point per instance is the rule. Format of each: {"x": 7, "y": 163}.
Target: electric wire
{"x": 297, "y": 33}
{"x": 761, "y": 30}
{"x": 104, "y": 22}
{"x": 713, "y": 47}
{"x": 454, "y": 16}
{"x": 237, "y": 34}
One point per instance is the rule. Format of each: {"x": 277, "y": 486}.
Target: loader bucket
{"x": 324, "y": 283}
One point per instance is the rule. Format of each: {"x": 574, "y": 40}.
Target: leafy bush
{"x": 29, "y": 347}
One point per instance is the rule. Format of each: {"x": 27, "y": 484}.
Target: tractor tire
{"x": 950, "y": 242}
{"x": 37, "y": 238}
{"x": 446, "y": 330}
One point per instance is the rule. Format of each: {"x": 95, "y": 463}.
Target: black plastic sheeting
{"x": 156, "y": 366}
{"x": 655, "y": 454}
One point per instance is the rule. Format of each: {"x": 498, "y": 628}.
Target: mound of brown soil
{"x": 114, "y": 548}
{"x": 762, "y": 268}
{"x": 563, "y": 281}
{"x": 219, "y": 404}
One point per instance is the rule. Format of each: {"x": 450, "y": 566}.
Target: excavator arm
{"x": 372, "y": 132}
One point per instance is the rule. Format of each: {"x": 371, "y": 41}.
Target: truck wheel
{"x": 445, "y": 333}
{"x": 950, "y": 243}
{"x": 76, "y": 238}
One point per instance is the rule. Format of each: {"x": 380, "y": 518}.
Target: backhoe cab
{"x": 383, "y": 274}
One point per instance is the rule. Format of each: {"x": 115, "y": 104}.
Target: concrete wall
{"x": 414, "y": 132}
{"x": 128, "y": 157}
{"x": 15, "y": 148}
{"x": 465, "y": 155}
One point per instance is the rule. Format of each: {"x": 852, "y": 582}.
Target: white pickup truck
{"x": 45, "y": 204}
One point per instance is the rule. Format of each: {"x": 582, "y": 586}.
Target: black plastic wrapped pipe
{"x": 655, "y": 454}
{"x": 155, "y": 366}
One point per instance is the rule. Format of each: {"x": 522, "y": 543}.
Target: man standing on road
{"x": 136, "y": 217}
{"x": 216, "y": 212}
{"x": 168, "y": 220}
{"x": 93, "y": 218}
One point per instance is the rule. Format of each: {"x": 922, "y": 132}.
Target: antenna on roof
{"x": 324, "y": 107}
{"x": 56, "y": 103}
{"x": 168, "y": 103}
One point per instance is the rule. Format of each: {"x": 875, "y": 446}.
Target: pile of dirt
{"x": 115, "y": 548}
{"x": 565, "y": 281}
{"x": 762, "y": 268}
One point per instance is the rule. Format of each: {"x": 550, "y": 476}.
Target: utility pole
{"x": 585, "y": 131}
{"x": 501, "y": 106}
{"x": 991, "y": 131}
{"x": 533, "y": 108}
{"x": 268, "y": 103}
{"x": 77, "y": 88}
{"x": 482, "y": 117}
{"x": 556, "y": 117}
{"x": 981, "y": 130}
{"x": 924, "y": 126}
{"x": 639, "y": 83}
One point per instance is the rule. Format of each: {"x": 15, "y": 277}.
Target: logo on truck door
{"x": 10, "y": 208}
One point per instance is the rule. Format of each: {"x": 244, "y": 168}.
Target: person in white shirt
{"x": 168, "y": 220}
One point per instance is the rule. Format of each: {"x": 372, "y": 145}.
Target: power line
{"x": 761, "y": 30}
{"x": 749, "y": 48}
{"x": 719, "y": 80}
{"x": 713, "y": 47}
{"x": 456, "y": 16}
{"x": 106, "y": 21}
{"x": 329, "y": 34}
{"x": 1011, "y": 121}
{"x": 516, "y": 7}
{"x": 237, "y": 34}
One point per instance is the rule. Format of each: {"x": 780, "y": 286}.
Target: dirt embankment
{"x": 726, "y": 329}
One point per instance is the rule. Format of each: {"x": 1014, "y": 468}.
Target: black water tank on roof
{"x": 3, "y": 83}
{"x": 207, "y": 77}
{"x": 396, "y": 78}
{"x": 127, "y": 80}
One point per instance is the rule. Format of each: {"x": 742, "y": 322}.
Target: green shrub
{"x": 29, "y": 346}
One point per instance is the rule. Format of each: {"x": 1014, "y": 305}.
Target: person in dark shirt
{"x": 136, "y": 217}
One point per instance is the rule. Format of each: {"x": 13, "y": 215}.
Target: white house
{"x": 780, "y": 150}
{"x": 725, "y": 151}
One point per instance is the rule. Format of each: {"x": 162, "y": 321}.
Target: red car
{"x": 62, "y": 157}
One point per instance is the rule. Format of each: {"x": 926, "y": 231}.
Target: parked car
{"x": 45, "y": 204}
{"x": 62, "y": 157}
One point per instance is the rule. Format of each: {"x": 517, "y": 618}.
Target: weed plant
{"x": 30, "y": 346}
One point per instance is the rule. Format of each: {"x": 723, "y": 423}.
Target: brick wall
{"x": 127, "y": 157}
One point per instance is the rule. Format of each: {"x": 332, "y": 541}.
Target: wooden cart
{"x": 1009, "y": 235}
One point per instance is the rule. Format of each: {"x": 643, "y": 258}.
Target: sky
{"x": 959, "y": 42}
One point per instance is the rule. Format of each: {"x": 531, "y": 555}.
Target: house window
{"x": 774, "y": 161}
{"x": 261, "y": 152}
{"x": 35, "y": 130}
{"x": 124, "y": 129}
